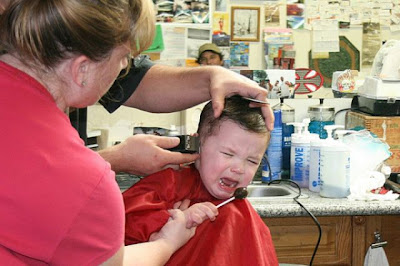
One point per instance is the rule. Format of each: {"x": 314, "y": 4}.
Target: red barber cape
{"x": 238, "y": 236}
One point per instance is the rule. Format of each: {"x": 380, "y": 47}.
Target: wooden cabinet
{"x": 345, "y": 239}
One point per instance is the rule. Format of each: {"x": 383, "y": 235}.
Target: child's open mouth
{"x": 228, "y": 182}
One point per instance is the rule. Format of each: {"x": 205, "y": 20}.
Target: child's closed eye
{"x": 253, "y": 162}
{"x": 227, "y": 154}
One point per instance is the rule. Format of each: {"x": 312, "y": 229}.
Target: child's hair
{"x": 236, "y": 110}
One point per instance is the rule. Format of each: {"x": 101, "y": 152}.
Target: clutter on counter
{"x": 321, "y": 206}
{"x": 386, "y": 128}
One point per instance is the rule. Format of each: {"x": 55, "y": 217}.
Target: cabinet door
{"x": 364, "y": 228}
{"x": 391, "y": 233}
{"x": 295, "y": 239}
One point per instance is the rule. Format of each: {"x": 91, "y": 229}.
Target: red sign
{"x": 307, "y": 81}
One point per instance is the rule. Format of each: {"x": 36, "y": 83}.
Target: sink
{"x": 126, "y": 180}
{"x": 281, "y": 191}
{"x": 267, "y": 191}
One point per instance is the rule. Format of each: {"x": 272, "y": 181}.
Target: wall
{"x": 119, "y": 125}
{"x": 302, "y": 38}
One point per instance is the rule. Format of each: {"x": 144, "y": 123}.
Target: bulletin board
{"x": 347, "y": 58}
{"x": 293, "y": 15}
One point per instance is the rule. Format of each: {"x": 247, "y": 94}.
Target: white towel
{"x": 376, "y": 257}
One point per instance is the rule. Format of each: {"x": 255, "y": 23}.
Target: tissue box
{"x": 386, "y": 128}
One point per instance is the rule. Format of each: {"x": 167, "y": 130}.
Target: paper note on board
{"x": 325, "y": 36}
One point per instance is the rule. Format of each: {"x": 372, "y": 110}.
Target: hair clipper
{"x": 187, "y": 144}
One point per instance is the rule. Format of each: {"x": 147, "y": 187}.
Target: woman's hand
{"x": 175, "y": 232}
{"x": 225, "y": 83}
{"x": 145, "y": 154}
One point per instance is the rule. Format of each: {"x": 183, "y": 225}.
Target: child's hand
{"x": 199, "y": 212}
{"x": 175, "y": 232}
{"x": 182, "y": 205}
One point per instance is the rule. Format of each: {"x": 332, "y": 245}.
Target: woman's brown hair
{"x": 45, "y": 32}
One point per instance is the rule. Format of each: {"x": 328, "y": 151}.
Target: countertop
{"x": 320, "y": 206}
{"x": 317, "y": 205}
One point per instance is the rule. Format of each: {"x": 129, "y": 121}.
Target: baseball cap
{"x": 209, "y": 47}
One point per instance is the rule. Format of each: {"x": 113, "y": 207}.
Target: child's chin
{"x": 222, "y": 194}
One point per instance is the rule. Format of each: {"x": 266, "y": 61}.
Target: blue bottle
{"x": 288, "y": 117}
{"x": 274, "y": 151}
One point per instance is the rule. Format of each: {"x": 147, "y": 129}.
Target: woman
{"x": 59, "y": 201}
{"x": 153, "y": 88}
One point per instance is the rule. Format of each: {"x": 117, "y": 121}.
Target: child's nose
{"x": 238, "y": 168}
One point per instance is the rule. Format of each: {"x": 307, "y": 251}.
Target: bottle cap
{"x": 283, "y": 107}
{"x": 278, "y": 118}
{"x": 329, "y": 129}
{"x": 321, "y": 107}
{"x": 306, "y": 122}
{"x": 297, "y": 127}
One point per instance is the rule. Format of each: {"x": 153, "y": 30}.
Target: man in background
{"x": 210, "y": 54}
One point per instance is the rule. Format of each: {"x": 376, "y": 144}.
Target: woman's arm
{"x": 157, "y": 252}
{"x": 169, "y": 89}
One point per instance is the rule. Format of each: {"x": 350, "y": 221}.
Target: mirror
{"x": 301, "y": 83}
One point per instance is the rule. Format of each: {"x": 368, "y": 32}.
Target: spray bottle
{"x": 334, "y": 168}
{"x": 274, "y": 151}
{"x": 288, "y": 116}
{"x": 315, "y": 153}
{"x": 315, "y": 158}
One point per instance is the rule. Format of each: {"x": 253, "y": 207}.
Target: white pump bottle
{"x": 300, "y": 153}
{"x": 315, "y": 158}
{"x": 334, "y": 167}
